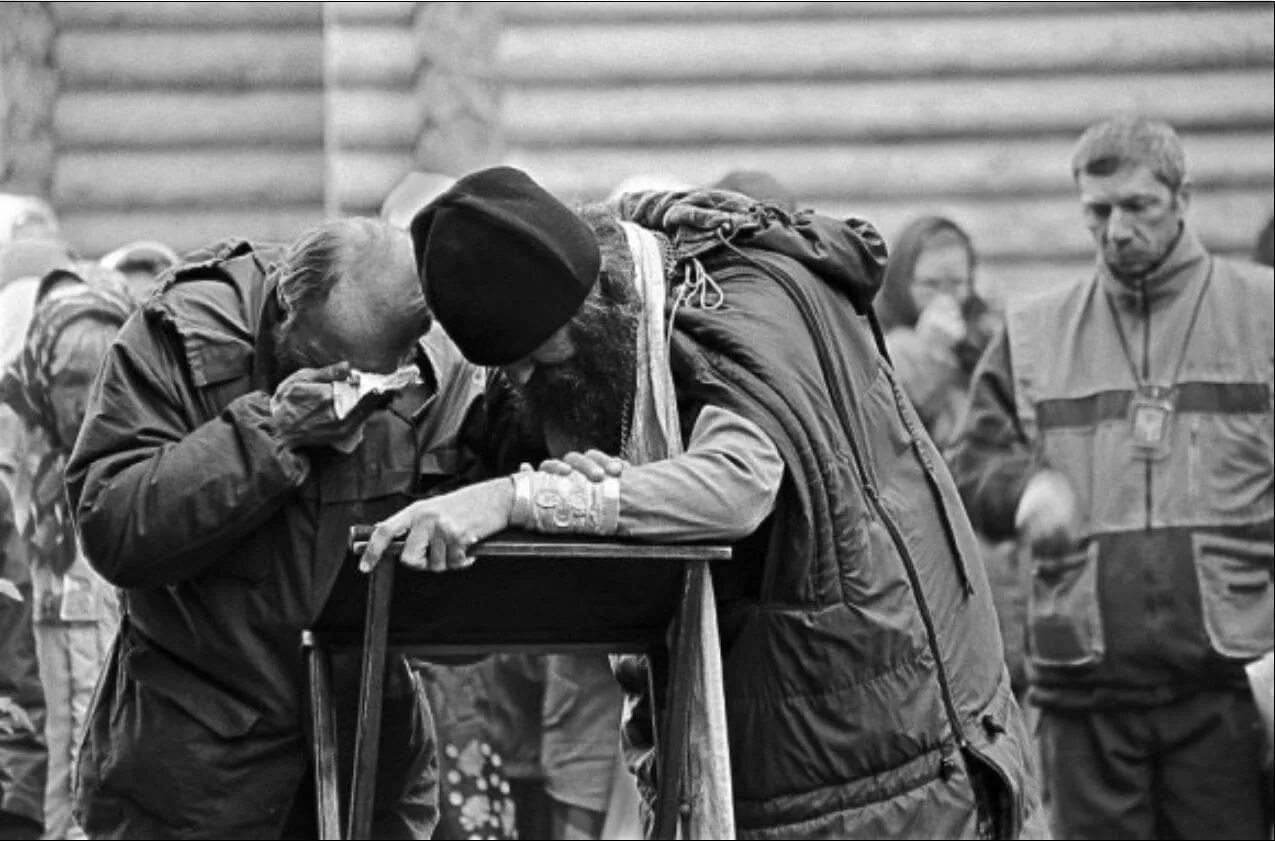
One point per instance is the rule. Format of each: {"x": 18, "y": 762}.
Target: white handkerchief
{"x": 347, "y": 394}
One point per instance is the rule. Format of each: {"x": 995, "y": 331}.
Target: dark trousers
{"x": 1190, "y": 769}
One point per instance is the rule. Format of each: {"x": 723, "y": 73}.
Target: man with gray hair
{"x": 215, "y": 479}
{"x": 1122, "y": 426}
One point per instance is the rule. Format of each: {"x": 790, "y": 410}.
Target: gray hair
{"x": 1128, "y": 140}
{"x": 323, "y": 255}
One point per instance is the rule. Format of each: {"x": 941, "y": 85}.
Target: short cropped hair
{"x": 1113, "y": 144}
{"x": 323, "y": 255}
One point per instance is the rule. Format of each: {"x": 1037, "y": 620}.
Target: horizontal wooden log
{"x": 122, "y": 120}
{"x": 373, "y": 118}
{"x": 1051, "y": 227}
{"x": 360, "y": 180}
{"x": 384, "y": 56}
{"x": 96, "y": 232}
{"x": 198, "y": 58}
{"x": 623, "y": 12}
{"x": 1002, "y": 280}
{"x": 684, "y": 12}
{"x": 844, "y": 112}
{"x": 379, "y": 13}
{"x": 984, "y": 167}
{"x": 179, "y": 15}
{"x": 855, "y": 48}
{"x": 188, "y": 179}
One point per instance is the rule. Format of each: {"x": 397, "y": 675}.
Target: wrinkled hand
{"x": 941, "y": 323}
{"x": 303, "y": 411}
{"x": 442, "y": 530}
{"x": 594, "y": 464}
{"x": 1048, "y": 515}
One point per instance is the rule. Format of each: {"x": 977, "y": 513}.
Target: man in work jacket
{"x": 865, "y": 690}
{"x": 210, "y": 487}
{"x": 1123, "y": 427}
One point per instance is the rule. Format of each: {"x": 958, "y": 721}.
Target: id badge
{"x": 79, "y": 599}
{"x": 1151, "y": 422}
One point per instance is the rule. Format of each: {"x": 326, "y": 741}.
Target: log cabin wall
{"x": 191, "y": 121}
{"x": 888, "y": 111}
{"x": 188, "y": 122}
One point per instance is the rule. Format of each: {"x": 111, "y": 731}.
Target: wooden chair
{"x": 527, "y": 593}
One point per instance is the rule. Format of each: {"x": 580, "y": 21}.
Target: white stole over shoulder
{"x": 655, "y": 434}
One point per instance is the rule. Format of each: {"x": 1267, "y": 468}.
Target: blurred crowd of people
{"x": 60, "y": 313}
{"x": 1112, "y": 443}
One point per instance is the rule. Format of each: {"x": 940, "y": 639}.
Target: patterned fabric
{"x": 848, "y": 255}
{"x": 63, "y": 298}
{"x": 693, "y": 218}
{"x": 477, "y": 802}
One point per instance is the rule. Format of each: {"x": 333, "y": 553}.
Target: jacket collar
{"x": 265, "y": 360}
{"x": 1164, "y": 283}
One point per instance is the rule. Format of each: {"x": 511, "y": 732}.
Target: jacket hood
{"x": 848, "y": 255}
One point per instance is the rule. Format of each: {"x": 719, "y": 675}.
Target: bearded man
{"x": 703, "y": 367}
{"x": 215, "y": 481}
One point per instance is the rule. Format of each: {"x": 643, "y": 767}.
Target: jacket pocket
{"x": 188, "y": 754}
{"x": 1064, "y": 623}
{"x": 1235, "y": 592}
{"x": 219, "y": 711}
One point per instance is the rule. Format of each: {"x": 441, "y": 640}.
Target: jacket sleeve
{"x": 160, "y": 492}
{"x": 991, "y": 459}
{"x": 721, "y": 488}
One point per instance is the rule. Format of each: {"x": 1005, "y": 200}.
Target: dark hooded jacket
{"x": 23, "y": 755}
{"x": 865, "y": 689}
{"x": 227, "y": 544}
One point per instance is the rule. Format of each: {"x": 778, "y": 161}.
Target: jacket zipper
{"x": 1193, "y": 462}
{"x": 1146, "y": 373}
{"x": 870, "y": 489}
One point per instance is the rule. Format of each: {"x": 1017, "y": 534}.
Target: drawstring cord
{"x": 698, "y": 283}
{"x": 697, "y": 290}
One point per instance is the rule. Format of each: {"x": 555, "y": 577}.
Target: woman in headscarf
{"x": 936, "y": 325}
{"x": 75, "y": 611}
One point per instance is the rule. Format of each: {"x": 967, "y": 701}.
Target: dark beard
{"x": 588, "y": 396}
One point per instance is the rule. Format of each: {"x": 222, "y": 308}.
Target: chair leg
{"x": 367, "y": 737}
{"x": 323, "y": 725}
{"x": 676, "y": 718}
{"x": 657, "y": 672}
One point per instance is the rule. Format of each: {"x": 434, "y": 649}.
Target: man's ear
{"x": 1184, "y": 193}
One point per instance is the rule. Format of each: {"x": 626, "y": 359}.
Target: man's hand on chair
{"x": 440, "y": 532}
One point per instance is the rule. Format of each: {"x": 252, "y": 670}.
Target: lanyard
{"x": 1186, "y": 340}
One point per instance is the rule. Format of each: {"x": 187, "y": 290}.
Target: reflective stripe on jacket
{"x": 1171, "y": 589}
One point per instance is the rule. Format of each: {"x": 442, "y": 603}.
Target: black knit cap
{"x": 503, "y": 264}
